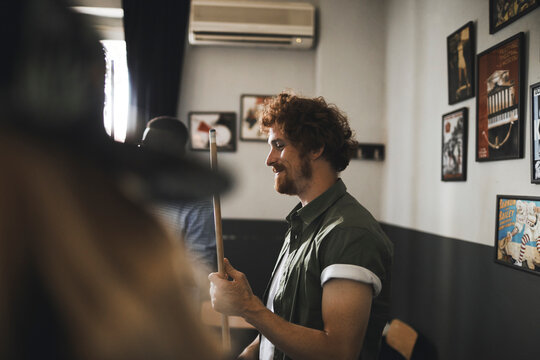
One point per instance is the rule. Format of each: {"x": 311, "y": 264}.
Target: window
{"x": 115, "y": 113}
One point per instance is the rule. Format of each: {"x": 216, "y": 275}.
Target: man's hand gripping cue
{"x": 346, "y": 306}
{"x": 234, "y": 296}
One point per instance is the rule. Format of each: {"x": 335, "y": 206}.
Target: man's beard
{"x": 291, "y": 187}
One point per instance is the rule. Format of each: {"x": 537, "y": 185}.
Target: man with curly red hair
{"x": 328, "y": 296}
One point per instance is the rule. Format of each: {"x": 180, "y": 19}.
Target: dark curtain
{"x": 155, "y": 32}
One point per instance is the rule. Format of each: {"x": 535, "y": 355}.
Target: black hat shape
{"x": 53, "y": 89}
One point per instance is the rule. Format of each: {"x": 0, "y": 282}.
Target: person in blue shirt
{"x": 189, "y": 219}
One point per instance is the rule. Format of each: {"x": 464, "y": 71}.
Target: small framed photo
{"x": 369, "y": 151}
{"x": 454, "y": 146}
{"x": 250, "y": 122}
{"x": 200, "y": 123}
{"x": 500, "y": 101}
{"x": 535, "y": 133}
{"x": 461, "y": 50}
{"x": 505, "y": 12}
{"x": 516, "y": 232}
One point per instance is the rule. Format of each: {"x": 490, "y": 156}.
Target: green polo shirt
{"x": 331, "y": 231}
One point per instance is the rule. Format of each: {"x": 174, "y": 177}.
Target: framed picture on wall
{"x": 500, "y": 97}
{"x": 505, "y": 12}
{"x": 200, "y": 123}
{"x": 250, "y": 111}
{"x": 535, "y": 133}
{"x": 516, "y": 232}
{"x": 454, "y": 146}
{"x": 460, "y": 47}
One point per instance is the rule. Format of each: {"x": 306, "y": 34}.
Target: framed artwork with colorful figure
{"x": 517, "y": 232}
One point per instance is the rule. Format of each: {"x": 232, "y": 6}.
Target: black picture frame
{"x": 250, "y": 107}
{"x": 535, "y": 133}
{"x": 200, "y": 122}
{"x": 500, "y": 99}
{"x": 514, "y": 243}
{"x": 461, "y": 50}
{"x": 504, "y": 12}
{"x": 454, "y": 145}
{"x": 369, "y": 152}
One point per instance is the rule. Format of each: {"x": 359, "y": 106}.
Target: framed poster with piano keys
{"x": 500, "y": 98}
{"x": 535, "y": 133}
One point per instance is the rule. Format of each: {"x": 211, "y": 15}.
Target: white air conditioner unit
{"x": 252, "y": 23}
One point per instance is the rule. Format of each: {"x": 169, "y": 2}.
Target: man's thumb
{"x": 229, "y": 269}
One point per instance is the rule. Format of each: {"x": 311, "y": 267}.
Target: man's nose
{"x": 271, "y": 158}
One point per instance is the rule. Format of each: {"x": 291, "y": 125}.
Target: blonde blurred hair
{"x": 118, "y": 283}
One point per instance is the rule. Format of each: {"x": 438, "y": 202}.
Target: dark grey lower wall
{"x": 456, "y": 295}
{"x": 253, "y": 246}
{"x": 450, "y": 290}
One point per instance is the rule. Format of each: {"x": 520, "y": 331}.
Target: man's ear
{"x": 315, "y": 154}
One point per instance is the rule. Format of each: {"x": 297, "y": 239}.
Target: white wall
{"x": 214, "y": 78}
{"x": 346, "y": 67}
{"x": 350, "y": 73}
{"x": 384, "y": 64}
{"x": 413, "y": 195}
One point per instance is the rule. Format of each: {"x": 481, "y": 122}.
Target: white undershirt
{"x": 342, "y": 271}
{"x": 266, "y": 348}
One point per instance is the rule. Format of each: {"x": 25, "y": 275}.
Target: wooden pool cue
{"x": 225, "y": 332}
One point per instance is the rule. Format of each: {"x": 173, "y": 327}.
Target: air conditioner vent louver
{"x": 268, "y": 16}
{"x": 252, "y": 23}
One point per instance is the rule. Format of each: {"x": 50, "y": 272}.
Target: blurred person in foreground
{"x": 85, "y": 272}
{"x": 329, "y": 293}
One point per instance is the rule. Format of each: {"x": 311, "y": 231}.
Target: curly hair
{"x": 311, "y": 124}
